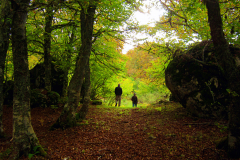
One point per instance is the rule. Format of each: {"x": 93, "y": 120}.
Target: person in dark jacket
{"x": 134, "y": 100}
{"x": 118, "y": 93}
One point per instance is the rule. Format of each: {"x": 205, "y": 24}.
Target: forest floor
{"x": 152, "y": 132}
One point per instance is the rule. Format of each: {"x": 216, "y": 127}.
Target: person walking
{"x": 118, "y": 93}
{"x": 134, "y": 100}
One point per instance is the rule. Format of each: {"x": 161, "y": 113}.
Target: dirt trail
{"x": 120, "y": 133}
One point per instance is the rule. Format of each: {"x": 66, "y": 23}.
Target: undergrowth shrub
{"x": 53, "y": 98}
{"x": 43, "y": 98}
{"x": 37, "y": 99}
{"x": 63, "y": 100}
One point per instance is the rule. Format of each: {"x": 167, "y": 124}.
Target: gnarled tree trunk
{"x": 5, "y": 19}
{"x": 24, "y": 137}
{"x": 232, "y": 72}
{"x": 68, "y": 115}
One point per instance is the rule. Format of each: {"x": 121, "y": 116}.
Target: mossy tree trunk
{"x": 24, "y": 137}
{"x": 68, "y": 115}
{"x": 232, "y": 72}
{"x": 5, "y": 19}
{"x": 86, "y": 100}
{"x": 47, "y": 44}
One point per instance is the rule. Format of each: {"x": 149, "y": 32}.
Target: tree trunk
{"x": 86, "y": 100}
{"x": 65, "y": 83}
{"x": 47, "y": 45}
{"x": 232, "y": 72}
{"x": 5, "y": 19}
{"x": 68, "y": 60}
{"x": 24, "y": 137}
{"x": 68, "y": 115}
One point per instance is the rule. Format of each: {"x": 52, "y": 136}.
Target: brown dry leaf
{"x": 146, "y": 135}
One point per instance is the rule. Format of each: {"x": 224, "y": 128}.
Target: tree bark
{"x": 24, "y": 137}
{"x": 5, "y": 19}
{"x": 65, "y": 81}
{"x": 232, "y": 72}
{"x": 86, "y": 100}
{"x": 47, "y": 45}
{"x": 68, "y": 115}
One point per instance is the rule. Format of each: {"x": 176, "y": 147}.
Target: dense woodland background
{"x": 84, "y": 39}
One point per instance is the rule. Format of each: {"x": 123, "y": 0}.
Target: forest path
{"x": 152, "y": 132}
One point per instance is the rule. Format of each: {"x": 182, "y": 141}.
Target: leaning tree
{"x": 88, "y": 18}
{"x": 68, "y": 115}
